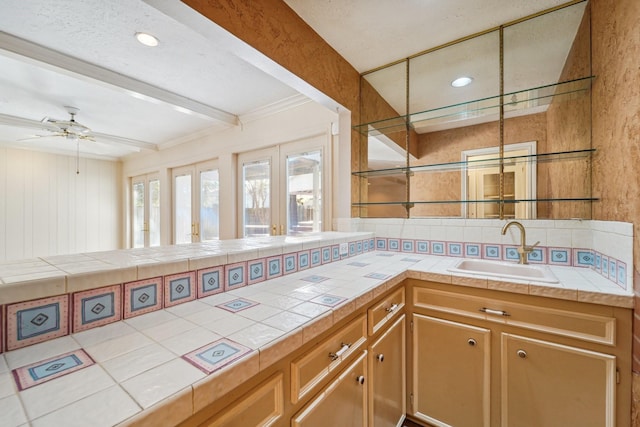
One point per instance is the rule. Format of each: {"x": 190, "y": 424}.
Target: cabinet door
{"x": 342, "y": 403}
{"x": 546, "y": 384}
{"x": 261, "y": 407}
{"x": 387, "y": 378}
{"x": 451, "y": 372}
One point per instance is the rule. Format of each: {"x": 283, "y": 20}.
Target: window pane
{"x": 209, "y": 205}
{"x": 182, "y": 209}
{"x": 138, "y": 215}
{"x": 154, "y": 213}
{"x": 304, "y": 192}
{"x": 257, "y": 198}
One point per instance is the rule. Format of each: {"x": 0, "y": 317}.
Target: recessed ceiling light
{"x": 147, "y": 39}
{"x": 461, "y": 81}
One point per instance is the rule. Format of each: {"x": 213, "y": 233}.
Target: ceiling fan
{"x": 69, "y": 129}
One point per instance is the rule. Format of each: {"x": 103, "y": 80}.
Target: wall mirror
{"x": 514, "y": 142}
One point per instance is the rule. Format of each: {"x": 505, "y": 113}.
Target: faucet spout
{"x": 523, "y": 250}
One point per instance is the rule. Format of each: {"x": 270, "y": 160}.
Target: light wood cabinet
{"x": 451, "y": 372}
{"x": 546, "y": 384}
{"x": 387, "y": 377}
{"x": 342, "y": 403}
{"x": 491, "y": 358}
{"x": 261, "y": 407}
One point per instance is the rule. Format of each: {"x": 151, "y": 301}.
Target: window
{"x": 145, "y": 224}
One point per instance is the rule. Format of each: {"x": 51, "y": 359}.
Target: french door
{"x": 196, "y": 203}
{"x": 145, "y": 216}
{"x": 280, "y": 189}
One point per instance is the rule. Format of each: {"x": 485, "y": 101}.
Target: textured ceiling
{"x": 82, "y": 53}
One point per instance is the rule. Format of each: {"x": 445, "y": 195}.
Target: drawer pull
{"x": 392, "y": 308}
{"x": 521, "y": 354}
{"x": 360, "y": 379}
{"x": 471, "y": 342}
{"x": 380, "y": 357}
{"x": 340, "y": 352}
{"x": 495, "y": 312}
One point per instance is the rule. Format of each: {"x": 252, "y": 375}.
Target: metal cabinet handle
{"x": 471, "y": 342}
{"x": 492, "y": 311}
{"x": 344, "y": 347}
{"x": 360, "y": 379}
{"x": 391, "y": 308}
{"x": 380, "y": 357}
{"x": 521, "y": 354}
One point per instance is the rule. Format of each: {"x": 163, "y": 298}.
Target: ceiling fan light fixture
{"x": 147, "y": 39}
{"x": 462, "y": 81}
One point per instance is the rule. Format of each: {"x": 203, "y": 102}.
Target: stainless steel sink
{"x": 528, "y": 272}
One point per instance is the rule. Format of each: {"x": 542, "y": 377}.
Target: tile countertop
{"x": 138, "y": 372}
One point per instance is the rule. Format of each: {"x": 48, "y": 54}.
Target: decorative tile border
{"x": 37, "y": 321}
{"x": 289, "y": 263}
{"x": 46, "y": 370}
{"x": 142, "y": 296}
{"x": 314, "y": 279}
{"x": 274, "y": 267}
{"x": 179, "y": 288}
{"x": 304, "y": 260}
{"x": 96, "y": 307}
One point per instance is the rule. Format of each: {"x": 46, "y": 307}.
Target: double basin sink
{"x": 505, "y": 270}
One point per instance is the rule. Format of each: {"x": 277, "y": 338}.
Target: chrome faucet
{"x": 523, "y": 250}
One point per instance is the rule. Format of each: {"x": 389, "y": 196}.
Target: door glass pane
{"x": 154, "y": 212}
{"x": 182, "y": 209}
{"x": 257, "y": 198}
{"x": 209, "y": 205}
{"x": 138, "y": 215}
{"x": 304, "y": 192}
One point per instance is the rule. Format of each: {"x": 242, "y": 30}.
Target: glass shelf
{"x": 513, "y": 103}
{"x": 477, "y": 164}
{"x": 506, "y": 201}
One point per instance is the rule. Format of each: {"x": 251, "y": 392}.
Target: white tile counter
{"x": 137, "y": 366}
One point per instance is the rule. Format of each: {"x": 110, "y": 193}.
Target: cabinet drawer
{"x": 575, "y": 324}
{"x": 261, "y": 407}
{"x": 385, "y": 310}
{"x": 312, "y": 367}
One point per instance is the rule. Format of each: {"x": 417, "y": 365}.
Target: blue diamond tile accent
{"x": 536, "y": 255}
{"x": 407, "y": 246}
{"x": 235, "y": 276}
{"x": 314, "y": 279}
{"x": 585, "y": 258}
{"x": 328, "y": 300}
{"x": 511, "y": 254}
{"x": 256, "y": 271}
{"x": 54, "y": 367}
{"x": 274, "y": 267}
{"x": 379, "y": 276}
{"x": 335, "y": 253}
{"x": 560, "y": 256}
{"x": 437, "y": 248}
{"x": 211, "y": 281}
{"x": 179, "y": 289}
{"x": 237, "y": 305}
{"x": 422, "y": 247}
{"x": 359, "y": 247}
{"x": 598, "y": 262}
{"x": 394, "y": 244}
{"x": 605, "y": 266}
{"x": 144, "y": 297}
{"x": 454, "y": 249}
{"x": 472, "y": 250}
{"x": 315, "y": 257}
{"x": 622, "y": 274}
{"x": 381, "y": 244}
{"x": 218, "y": 353}
{"x": 303, "y": 260}
{"x": 97, "y": 307}
{"x": 612, "y": 269}
{"x": 289, "y": 263}
{"x": 358, "y": 264}
{"x": 352, "y": 248}
{"x": 492, "y": 252}
{"x": 38, "y": 320}
{"x": 326, "y": 254}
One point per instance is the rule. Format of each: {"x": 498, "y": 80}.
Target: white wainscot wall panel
{"x": 47, "y": 209}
